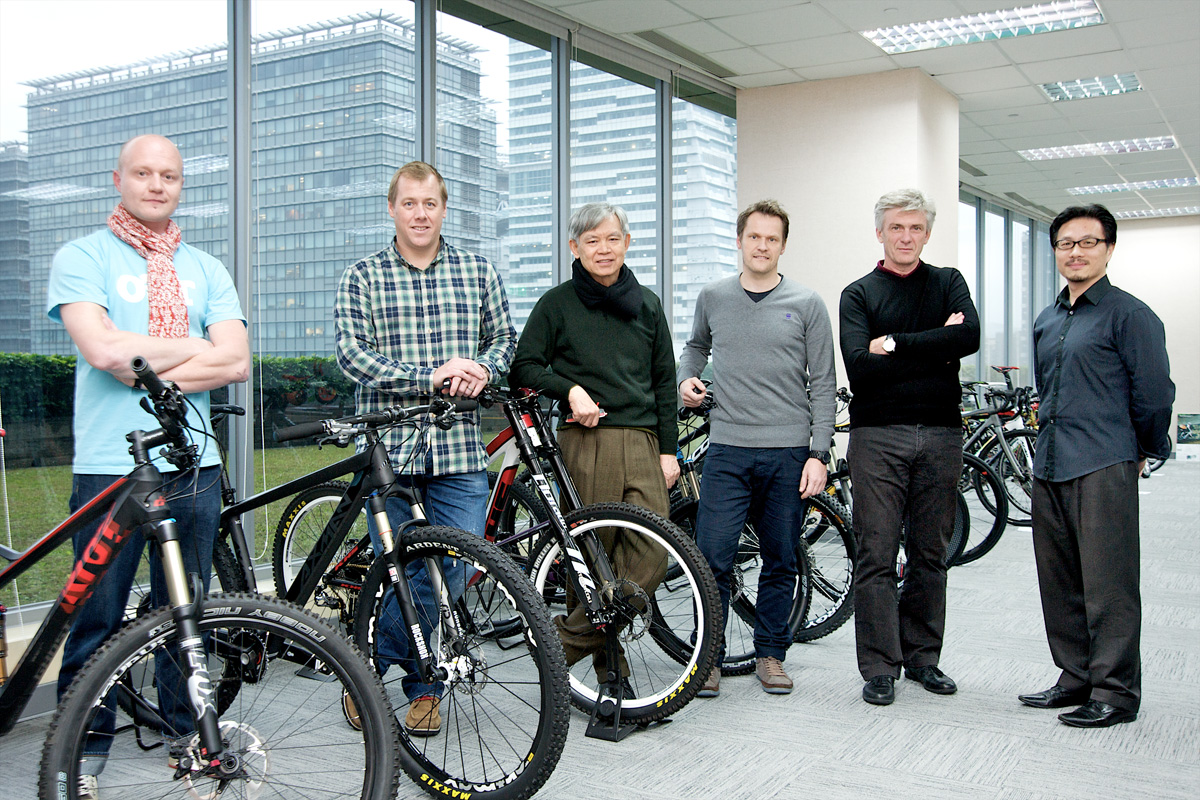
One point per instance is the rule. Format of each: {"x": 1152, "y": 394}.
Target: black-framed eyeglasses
{"x": 1086, "y": 244}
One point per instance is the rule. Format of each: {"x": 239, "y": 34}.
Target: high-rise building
{"x": 14, "y": 249}
{"x": 332, "y": 120}
{"x": 613, "y": 159}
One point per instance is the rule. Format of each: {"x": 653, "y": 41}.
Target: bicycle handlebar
{"x": 441, "y": 409}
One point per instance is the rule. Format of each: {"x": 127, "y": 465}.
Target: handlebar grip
{"x": 464, "y": 404}
{"x": 304, "y": 430}
{"x": 141, "y": 368}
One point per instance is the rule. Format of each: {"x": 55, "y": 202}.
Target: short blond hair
{"x": 416, "y": 171}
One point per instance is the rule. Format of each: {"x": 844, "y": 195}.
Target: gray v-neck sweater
{"x": 765, "y": 355}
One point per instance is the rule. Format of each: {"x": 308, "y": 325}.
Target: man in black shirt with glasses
{"x": 1100, "y": 356}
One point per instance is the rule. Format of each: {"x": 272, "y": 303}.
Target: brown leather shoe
{"x": 772, "y": 677}
{"x": 423, "y": 717}
{"x": 712, "y": 684}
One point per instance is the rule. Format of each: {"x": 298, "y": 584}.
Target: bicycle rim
{"x": 285, "y": 725}
{"x": 503, "y": 711}
{"x": 828, "y": 535}
{"x": 670, "y": 645}
{"x": 987, "y": 508}
{"x": 335, "y": 598}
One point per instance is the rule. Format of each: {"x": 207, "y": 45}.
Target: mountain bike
{"x": 488, "y": 641}
{"x": 667, "y": 634}
{"x": 217, "y": 674}
{"x": 1007, "y": 449}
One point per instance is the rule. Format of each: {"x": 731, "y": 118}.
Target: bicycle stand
{"x": 605, "y": 722}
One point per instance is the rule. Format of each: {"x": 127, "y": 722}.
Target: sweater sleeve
{"x": 855, "y": 337}
{"x": 699, "y": 345}
{"x": 535, "y": 351}
{"x": 822, "y": 375}
{"x": 665, "y": 385}
{"x": 948, "y": 341}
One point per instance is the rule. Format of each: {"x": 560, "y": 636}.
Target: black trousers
{"x": 902, "y": 474}
{"x": 1088, "y": 552}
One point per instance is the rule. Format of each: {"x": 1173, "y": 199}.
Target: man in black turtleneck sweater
{"x": 600, "y": 345}
{"x": 904, "y": 327}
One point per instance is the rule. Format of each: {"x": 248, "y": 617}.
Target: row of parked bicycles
{"x": 269, "y": 679}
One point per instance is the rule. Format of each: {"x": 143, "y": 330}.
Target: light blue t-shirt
{"x": 102, "y": 269}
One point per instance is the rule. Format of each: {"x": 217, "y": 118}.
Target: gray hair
{"x": 592, "y": 216}
{"x": 905, "y": 200}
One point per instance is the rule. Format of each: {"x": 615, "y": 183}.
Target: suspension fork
{"x": 533, "y": 438}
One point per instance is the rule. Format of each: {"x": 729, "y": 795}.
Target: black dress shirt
{"x": 1102, "y": 371}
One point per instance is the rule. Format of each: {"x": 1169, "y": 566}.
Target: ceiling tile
{"x": 628, "y": 16}
{"x": 825, "y": 50}
{"x": 744, "y": 60}
{"x": 942, "y": 60}
{"x": 1060, "y": 44}
{"x": 703, "y": 37}
{"x": 760, "y": 79}
{"x": 1168, "y": 55}
{"x": 1004, "y": 98}
{"x": 861, "y": 16}
{"x": 1010, "y": 116}
{"x": 1069, "y": 69}
{"x": 847, "y": 69}
{"x": 1047, "y": 127}
{"x": 1165, "y": 28}
{"x": 786, "y": 24}
{"x": 716, "y": 9}
{"x": 983, "y": 80}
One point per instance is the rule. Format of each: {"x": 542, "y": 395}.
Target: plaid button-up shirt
{"x": 396, "y": 324}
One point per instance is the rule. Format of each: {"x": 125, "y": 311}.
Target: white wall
{"x": 828, "y": 149}
{"x": 1158, "y": 261}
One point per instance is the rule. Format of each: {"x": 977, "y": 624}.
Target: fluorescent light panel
{"x": 1163, "y": 183}
{"x": 1100, "y": 148}
{"x": 1158, "y": 212}
{"x": 1100, "y": 86}
{"x": 986, "y": 27}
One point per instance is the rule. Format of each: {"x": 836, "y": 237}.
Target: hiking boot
{"x": 772, "y": 677}
{"x": 712, "y": 684}
{"x": 89, "y": 788}
{"x": 351, "y": 711}
{"x": 423, "y": 718}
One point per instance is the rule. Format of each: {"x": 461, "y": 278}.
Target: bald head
{"x": 149, "y": 176}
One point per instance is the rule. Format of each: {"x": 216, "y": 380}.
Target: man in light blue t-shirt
{"x": 134, "y": 289}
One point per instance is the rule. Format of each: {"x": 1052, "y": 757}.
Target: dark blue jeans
{"x": 902, "y": 474}
{"x": 455, "y": 501}
{"x": 760, "y": 485}
{"x": 195, "y": 499}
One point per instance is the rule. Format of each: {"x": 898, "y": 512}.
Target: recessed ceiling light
{"x": 1100, "y": 86}
{"x": 1163, "y": 183}
{"x": 1100, "y": 148}
{"x": 987, "y": 26}
{"x": 1158, "y": 212}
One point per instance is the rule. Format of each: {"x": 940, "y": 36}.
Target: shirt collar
{"x": 1093, "y": 295}
{"x": 438, "y": 257}
{"x": 893, "y": 272}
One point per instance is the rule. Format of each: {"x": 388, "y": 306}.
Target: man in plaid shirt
{"x": 409, "y": 319}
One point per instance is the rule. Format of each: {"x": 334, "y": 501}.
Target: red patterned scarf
{"x": 168, "y": 311}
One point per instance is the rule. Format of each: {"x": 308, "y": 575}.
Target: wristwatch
{"x": 820, "y": 455}
{"x": 889, "y": 344}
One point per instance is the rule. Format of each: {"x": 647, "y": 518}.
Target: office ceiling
{"x": 753, "y": 43}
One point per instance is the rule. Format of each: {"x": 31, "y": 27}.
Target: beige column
{"x": 828, "y": 149}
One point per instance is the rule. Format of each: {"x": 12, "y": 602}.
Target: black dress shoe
{"x": 880, "y": 690}
{"x": 932, "y": 678}
{"x": 1094, "y": 714}
{"x": 1057, "y": 697}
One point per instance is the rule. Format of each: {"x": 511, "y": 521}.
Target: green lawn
{"x": 36, "y": 500}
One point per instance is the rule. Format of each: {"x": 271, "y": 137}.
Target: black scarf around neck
{"x": 623, "y": 298}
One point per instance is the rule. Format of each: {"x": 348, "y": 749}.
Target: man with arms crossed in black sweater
{"x": 600, "y": 344}
{"x": 770, "y": 340}
{"x": 904, "y": 328}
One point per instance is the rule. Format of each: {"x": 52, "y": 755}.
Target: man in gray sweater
{"x": 773, "y": 376}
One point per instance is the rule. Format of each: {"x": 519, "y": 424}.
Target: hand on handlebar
{"x": 692, "y": 392}
{"x": 460, "y": 377}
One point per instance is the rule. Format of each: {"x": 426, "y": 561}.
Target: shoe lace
{"x": 774, "y": 667}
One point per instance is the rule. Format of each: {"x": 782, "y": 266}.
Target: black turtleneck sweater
{"x": 918, "y": 383}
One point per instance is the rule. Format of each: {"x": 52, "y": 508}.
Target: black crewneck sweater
{"x": 918, "y": 383}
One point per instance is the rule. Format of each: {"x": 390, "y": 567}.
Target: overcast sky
{"x": 41, "y": 38}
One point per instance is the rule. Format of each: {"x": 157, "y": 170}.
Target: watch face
{"x": 889, "y": 344}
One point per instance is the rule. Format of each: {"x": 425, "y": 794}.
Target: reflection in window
{"x": 991, "y": 310}
{"x": 1020, "y": 320}
{"x": 613, "y": 159}
{"x": 968, "y": 265}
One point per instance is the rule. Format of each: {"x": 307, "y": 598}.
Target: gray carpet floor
{"x": 823, "y": 741}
